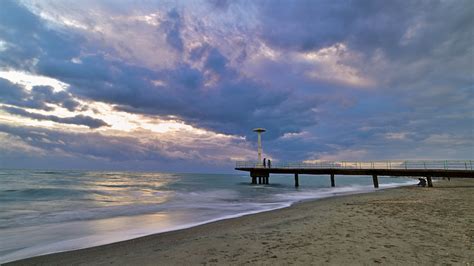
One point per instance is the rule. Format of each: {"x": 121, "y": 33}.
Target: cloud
{"x": 11, "y": 93}
{"x": 89, "y": 145}
{"x": 45, "y": 94}
{"x": 37, "y": 98}
{"x": 364, "y": 26}
{"x": 313, "y": 73}
{"x": 220, "y": 4}
{"x": 172, "y": 27}
{"x": 397, "y": 42}
{"x": 214, "y": 96}
{"x": 140, "y": 150}
{"x": 396, "y": 135}
{"x": 75, "y": 120}
{"x": 28, "y": 39}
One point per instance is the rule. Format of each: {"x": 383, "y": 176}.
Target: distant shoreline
{"x": 400, "y": 225}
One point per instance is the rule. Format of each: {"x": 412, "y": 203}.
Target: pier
{"x": 260, "y": 174}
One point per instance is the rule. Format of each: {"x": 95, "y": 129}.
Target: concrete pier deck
{"x": 451, "y": 169}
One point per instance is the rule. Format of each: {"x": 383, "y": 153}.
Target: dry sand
{"x": 403, "y": 226}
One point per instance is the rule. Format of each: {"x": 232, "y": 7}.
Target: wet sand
{"x": 403, "y": 226}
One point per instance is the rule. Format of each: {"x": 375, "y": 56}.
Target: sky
{"x": 179, "y": 85}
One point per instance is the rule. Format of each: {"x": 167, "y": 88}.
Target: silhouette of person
{"x": 269, "y": 163}
{"x": 422, "y": 182}
{"x": 264, "y": 162}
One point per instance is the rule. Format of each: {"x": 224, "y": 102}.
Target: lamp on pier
{"x": 259, "y": 132}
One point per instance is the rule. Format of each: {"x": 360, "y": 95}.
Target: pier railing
{"x": 418, "y": 164}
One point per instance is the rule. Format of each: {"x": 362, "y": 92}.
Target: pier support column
{"x": 266, "y": 180}
{"x": 376, "y": 181}
{"x": 259, "y": 176}
{"x": 333, "y": 182}
{"x": 430, "y": 182}
{"x": 297, "y": 181}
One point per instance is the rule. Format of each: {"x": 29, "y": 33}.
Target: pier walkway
{"x": 428, "y": 169}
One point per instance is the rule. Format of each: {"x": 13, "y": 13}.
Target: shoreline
{"x": 129, "y": 234}
{"x": 200, "y": 244}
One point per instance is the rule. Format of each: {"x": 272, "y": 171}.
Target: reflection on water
{"x": 75, "y": 235}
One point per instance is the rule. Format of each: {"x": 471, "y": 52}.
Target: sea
{"x": 44, "y": 212}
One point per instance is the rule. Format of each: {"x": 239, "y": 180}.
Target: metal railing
{"x": 418, "y": 164}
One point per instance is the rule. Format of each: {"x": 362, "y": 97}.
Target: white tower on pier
{"x": 259, "y": 132}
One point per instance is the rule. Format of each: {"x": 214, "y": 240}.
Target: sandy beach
{"x": 403, "y": 226}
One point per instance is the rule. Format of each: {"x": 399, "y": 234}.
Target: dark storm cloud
{"x": 367, "y": 25}
{"x": 91, "y": 149}
{"x": 415, "y": 44}
{"x": 75, "y": 120}
{"x": 28, "y": 39}
{"x": 46, "y": 94}
{"x": 172, "y": 27}
{"x": 427, "y": 51}
{"x": 82, "y": 144}
{"x": 51, "y": 149}
{"x": 418, "y": 53}
{"x": 233, "y": 104}
{"x": 37, "y": 98}
{"x": 11, "y": 93}
{"x": 217, "y": 62}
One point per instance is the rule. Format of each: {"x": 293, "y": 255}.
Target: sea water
{"x": 44, "y": 212}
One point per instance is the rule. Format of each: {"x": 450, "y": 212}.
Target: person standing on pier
{"x": 269, "y": 163}
{"x": 264, "y": 162}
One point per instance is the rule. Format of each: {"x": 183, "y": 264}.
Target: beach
{"x": 406, "y": 225}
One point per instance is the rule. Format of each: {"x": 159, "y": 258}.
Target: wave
{"x": 211, "y": 200}
{"x": 109, "y": 207}
{"x": 80, "y": 215}
{"x": 45, "y": 194}
{"x": 51, "y": 172}
{"x": 309, "y": 194}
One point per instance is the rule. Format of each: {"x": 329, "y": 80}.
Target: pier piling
{"x": 333, "y": 183}
{"x": 376, "y": 181}
{"x": 430, "y": 182}
{"x": 297, "y": 181}
{"x": 260, "y": 176}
